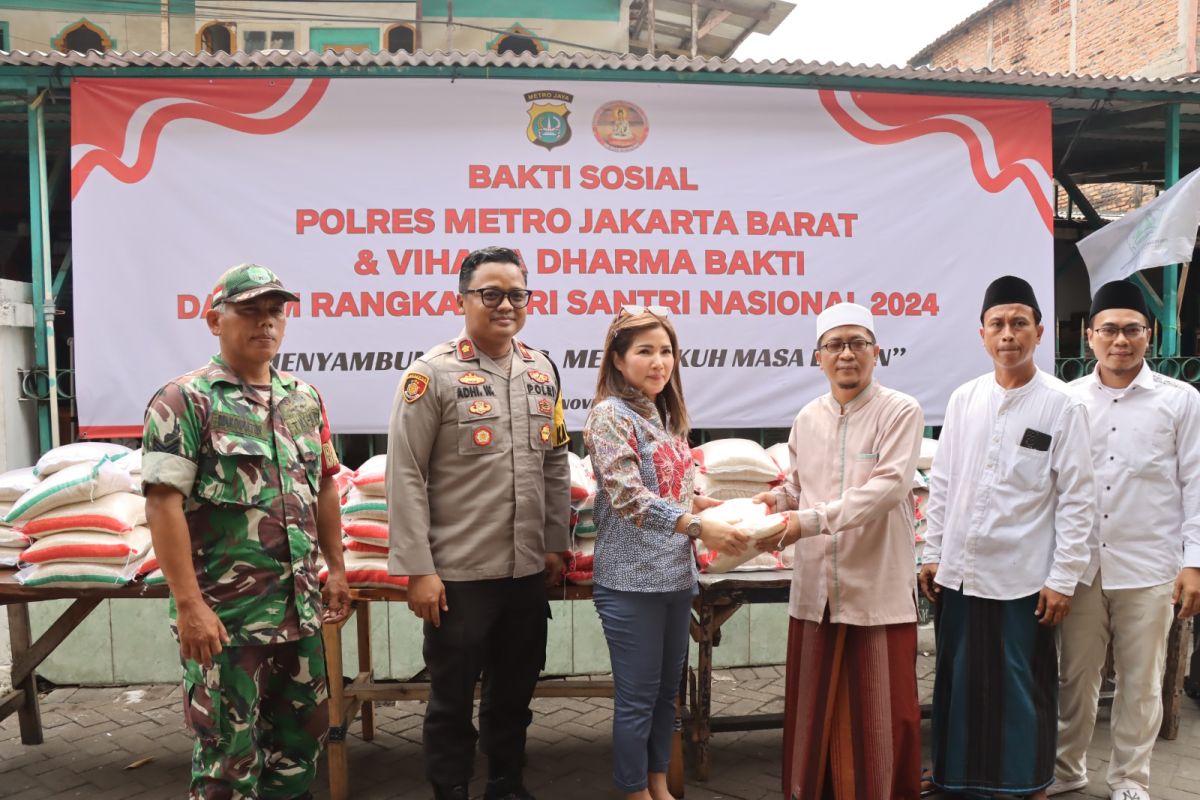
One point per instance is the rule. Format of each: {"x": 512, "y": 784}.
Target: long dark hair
{"x": 611, "y": 383}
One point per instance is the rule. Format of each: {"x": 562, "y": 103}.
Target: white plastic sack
{"x": 752, "y": 519}
{"x": 928, "y": 451}
{"x": 75, "y": 484}
{"x": 721, "y": 489}
{"x": 779, "y": 454}
{"x": 736, "y": 460}
{"x": 68, "y": 455}
{"x": 371, "y": 477}
{"x": 16, "y": 482}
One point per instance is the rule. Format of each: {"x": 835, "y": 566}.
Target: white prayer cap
{"x": 844, "y": 314}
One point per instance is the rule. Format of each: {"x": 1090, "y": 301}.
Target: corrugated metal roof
{"x": 1185, "y": 85}
{"x": 922, "y": 56}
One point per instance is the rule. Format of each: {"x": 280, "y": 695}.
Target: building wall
{"x": 577, "y": 25}
{"x": 1146, "y": 38}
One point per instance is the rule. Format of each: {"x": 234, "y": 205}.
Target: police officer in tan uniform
{"x": 478, "y": 485}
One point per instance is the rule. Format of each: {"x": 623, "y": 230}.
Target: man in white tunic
{"x": 1011, "y": 507}
{"x": 1146, "y": 557}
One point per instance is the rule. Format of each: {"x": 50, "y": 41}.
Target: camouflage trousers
{"x": 260, "y": 715}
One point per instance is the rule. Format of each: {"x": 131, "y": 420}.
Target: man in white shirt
{"x": 1146, "y": 557}
{"x": 1011, "y": 507}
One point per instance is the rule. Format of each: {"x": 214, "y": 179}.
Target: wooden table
{"x": 27, "y": 654}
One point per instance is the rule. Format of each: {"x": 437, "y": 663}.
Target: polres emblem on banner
{"x": 548, "y": 125}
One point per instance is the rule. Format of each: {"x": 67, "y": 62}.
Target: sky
{"x": 887, "y": 32}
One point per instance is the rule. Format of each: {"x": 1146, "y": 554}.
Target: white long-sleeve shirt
{"x": 1146, "y": 453}
{"x": 1012, "y": 500}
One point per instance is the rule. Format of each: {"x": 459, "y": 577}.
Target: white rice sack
{"x": 583, "y": 484}
{"x": 154, "y": 577}
{"x": 720, "y": 489}
{"x": 5, "y": 507}
{"x": 11, "y": 538}
{"x": 779, "y": 454}
{"x": 736, "y": 460}
{"x": 119, "y": 512}
{"x": 99, "y": 548}
{"x": 74, "y": 484}
{"x": 10, "y": 556}
{"x": 70, "y": 575}
{"x": 928, "y": 451}
{"x": 371, "y": 477}
{"x": 787, "y": 556}
{"x": 132, "y": 462}
{"x": 16, "y": 482}
{"x": 360, "y": 505}
{"x": 68, "y": 455}
{"x": 752, "y": 519}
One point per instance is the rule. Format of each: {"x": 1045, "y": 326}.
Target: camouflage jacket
{"x": 249, "y": 468}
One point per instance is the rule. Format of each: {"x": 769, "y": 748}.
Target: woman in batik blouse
{"x": 646, "y": 518}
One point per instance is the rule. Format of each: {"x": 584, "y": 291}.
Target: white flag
{"x": 1159, "y": 233}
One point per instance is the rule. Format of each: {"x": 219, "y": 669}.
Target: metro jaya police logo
{"x": 471, "y": 379}
{"x": 548, "y": 126}
{"x": 482, "y": 437}
{"x": 415, "y": 386}
{"x": 545, "y": 433}
{"x": 480, "y": 407}
{"x": 538, "y": 376}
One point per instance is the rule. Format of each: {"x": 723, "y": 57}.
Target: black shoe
{"x": 458, "y": 792}
{"x": 506, "y": 789}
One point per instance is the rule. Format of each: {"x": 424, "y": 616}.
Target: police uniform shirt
{"x": 478, "y": 481}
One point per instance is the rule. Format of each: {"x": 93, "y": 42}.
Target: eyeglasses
{"x": 1130, "y": 331}
{"x": 657, "y": 311}
{"x": 517, "y": 298}
{"x": 835, "y": 347}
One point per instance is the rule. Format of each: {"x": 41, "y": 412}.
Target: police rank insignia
{"x": 538, "y": 376}
{"x": 480, "y": 407}
{"x": 482, "y": 437}
{"x": 471, "y": 379}
{"x": 548, "y": 126}
{"x": 545, "y": 432}
{"x": 415, "y": 386}
{"x": 545, "y": 406}
{"x": 466, "y": 350}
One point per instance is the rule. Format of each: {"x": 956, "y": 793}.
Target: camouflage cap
{"x": 246, "y": 282}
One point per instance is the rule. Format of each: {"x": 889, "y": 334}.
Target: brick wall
{"x": 1111, "y": 37}
{"x": 1109, "y": 199}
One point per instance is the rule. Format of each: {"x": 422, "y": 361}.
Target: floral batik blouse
{"x": 644, "y": 483}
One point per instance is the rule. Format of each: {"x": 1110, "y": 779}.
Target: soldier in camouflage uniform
{"x": 237, "y": 472}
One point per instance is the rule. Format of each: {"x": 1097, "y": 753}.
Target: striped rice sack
{"x": 371, "y": 477}
{"x": 363, "y": 548}
{"x": 10, "y": 556}
{"x": 114, "y": 513}
{"x": 100, "y": 548}
{"x": 366, "y": 531}
{"x": 10, "y": 537}
{"x": 75, "y": 575}
{"x": 364, "y": 506}
{"x": 75, "y": 484}
{"x": 68, "y": 455}
{"x": 368, "y": 572}
{"x": 154, "y": 578}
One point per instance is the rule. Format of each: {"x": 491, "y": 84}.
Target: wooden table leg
{"x": 335, "y": 748}
{"x": 675, "y": 776}
{"x": 20, "y": 635}
{"x": 1172, "y": 689}
{"x": 364, "y": 668}
{"x": 702, "y": 711}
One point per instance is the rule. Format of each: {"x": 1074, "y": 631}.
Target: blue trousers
{"x": 647, "y": 635}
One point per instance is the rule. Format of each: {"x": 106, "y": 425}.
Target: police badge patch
{"x": 548, "y": 126}
{"x": 414, "y": 386}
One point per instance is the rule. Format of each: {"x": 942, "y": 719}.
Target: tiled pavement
{"x": 129, "y": 742}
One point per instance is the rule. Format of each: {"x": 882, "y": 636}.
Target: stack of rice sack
{"x": 578, "y": 561}
{"x": 13, "y": 484}
{"x": 752, "y": 519}
{"x": 84, "y": 518}
{"x": 732, "y": 468}
{"x": 365, "y": 528}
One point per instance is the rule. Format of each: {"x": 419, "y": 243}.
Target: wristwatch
{"x": 693, "y": 527}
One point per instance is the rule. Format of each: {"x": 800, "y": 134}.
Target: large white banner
{"x": 744, "y": 210}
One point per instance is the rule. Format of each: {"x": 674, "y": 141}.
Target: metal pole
{"x": 1171, "y": 272}
{"x": 39, "y": 257}
{"x": 650, "y": 16}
